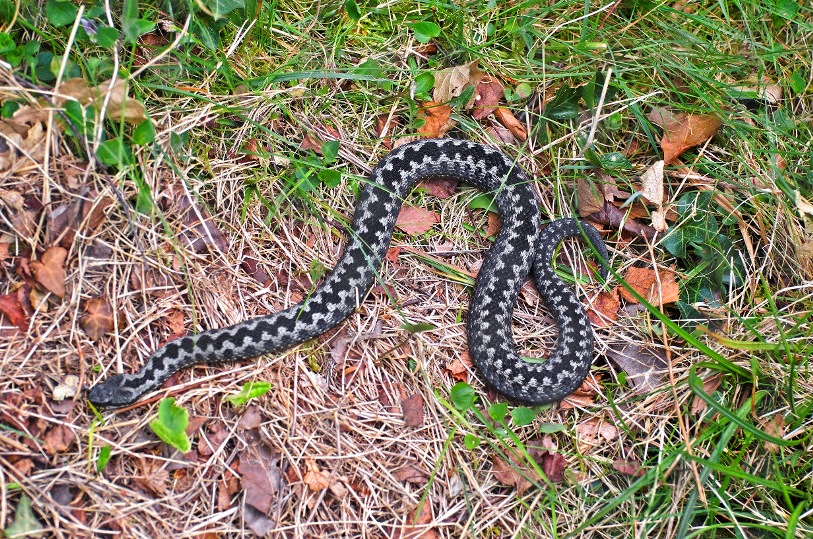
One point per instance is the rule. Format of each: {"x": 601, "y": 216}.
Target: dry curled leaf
{"x": 487, "y": 96}
{"x": 49, "y": 271}
{"x": 659, "y": 288}
{"x": 603, "y": 310}
{"x": 119, "y": 106}
{"x": 510, "y": 474}
{"x": 412, "y": 408}
{"x": 510, "y": 122}
{"x": 683, "y": 131}
{"x": 260, "y": 477}
{"x": 11, "y": 307}
{"x": 437, "y": 121}
{"x": 451, "y": 82}
{"x": 415, "y": 526}
{"x": 644, "y": 366}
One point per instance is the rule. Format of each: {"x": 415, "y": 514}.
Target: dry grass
{"x": 335, "y": 411}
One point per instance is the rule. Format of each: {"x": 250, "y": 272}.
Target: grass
{"x": 719, "y": 448}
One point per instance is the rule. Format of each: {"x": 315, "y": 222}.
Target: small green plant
{"x": 170, "y": 425}
{"x": 250, "y": 390}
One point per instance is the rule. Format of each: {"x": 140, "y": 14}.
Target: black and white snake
{"x": 520, "y": 245}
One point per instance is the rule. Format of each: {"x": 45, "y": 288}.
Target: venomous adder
{"x": 520, "y": 245}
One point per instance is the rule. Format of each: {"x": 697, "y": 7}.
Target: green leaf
{"x": 471, "y": 441}
{"x": 615, "y": 161}
{"x": 463, "y": 396}
{"x": 107, "y": 36}
{"x": 483, "y": 201}
{"x": 129, "y": 21}
{"x": 330, "y": 149}
{"x": 551, "y": 428}
{"x": 787, "y": 8}
{"x": 565, "y": 105}
{"x": 25, "y": 523}
{"x": 221, "y": 8}
{"x": 418, "y": 328}
{"x": 521, "y": 416}
{"x": 113, "y": 153}
{"x": 104, "y": 458}
{"x": 524, "y": 90}
{"x": 316, "y": 270}
{"x": 498, "y": 411}
{"x": 423, "y": 83}
{"x": 60, "y": 13}
{"x": 797, "y": 82}
{"x": 329, "y": 177}
{"x": 144, "y": 133}
{"x": 6, "y": 43}
{"x": 352, "y": 10}
{"x": 250, "y": 390}
{"x": 170, "y": 426}
{"x": 8, "y": 109}
{"x": 425, "y": 31}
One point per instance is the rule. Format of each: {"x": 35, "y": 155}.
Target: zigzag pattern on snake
{"x": 520, "y": 245}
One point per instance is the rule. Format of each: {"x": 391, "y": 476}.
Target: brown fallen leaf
{"x": 460, "y": 367}
{"x": 411, "y": 473}
{"x": 260, "y": 477}
{"x": 199, "y": 232}
{"x": 507, "y": 119}
{"x": 49, "y": 271}
{"x": 603, "y": 310}
{"x": 415, "y": 526}
{"x": 11, "y": 307}
{"x": 314, "y": 478}
{"x": 710, "y": 385}
{"x": 58, "y": 439}
{"x": 450, "y": 82}
{"x": 494, "y": 224}
{"x": 226, "y": 488}
{"x": 98, "y": 320}
{"x": 153, "y": 476}
{"x": 440, "y": 187}
{"x": 683, "y": 131}
{"x": 774, "y": 426}
{"x": 412, "y": 408}
{"x": 119, "y": 106}
{"x": 437, "y": 121}
{"x": 554, "y": 467}
{"x": 659, "y": 288}
{"x": 631, "y": 468}
{"x": 487, "y": 96}
{"x": 591, "y": 198}
{"x": 593, "y": 432}
{"x": 385, "y": 125}
{"x": 414, "y": 220}
{"x": 509, "y": 474}
{"x": 652, "y": 190}
{"x": 644, "y": 366}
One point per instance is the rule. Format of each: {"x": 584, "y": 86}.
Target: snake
{"x": 521, "y": 247}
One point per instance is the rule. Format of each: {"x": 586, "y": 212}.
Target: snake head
{"x": 112, "y": 393}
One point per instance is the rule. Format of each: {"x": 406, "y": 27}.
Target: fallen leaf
{"x": 11, "y": 307}
{"x": 314, "y": 478}
{"x": 508, "y": 474}
{"x": 412, "y": 408}
{"x": 411, "y": 473}
{"x": 440, "y": 187}
{"x": 226, "y": 488}
{"x": 49, "y": 270}
{"x": 593, "y": 431}
{"x": 590, "y": 198}
{"x": 603, "y": 310}
{"x": 260, "y": 477}
{"x": 775, "y": 427}
{"x": 450, "y": 82}
{"x": 66, "y": 389}
{"x": 659, "y": 288}
{"x": 119, "y": 106}
{"x": 652, "y": 190}
{"x": 487, "y": 96}
{"x": 510, "y": 122}
{"x": 311, "y": 142}
{"x": 710, "y": 385}
{"x": 199, "y": 231}
{"x": 629, "y": 467}
{"x": 154, "y": 476}
{"x": 494, "y": 224}
{"x": 414, "y": 220}
{"x": 460, "y": 367}
{"x": 554, "y": 467}
{"x": 257, "y": 521}
{"x": 98, "y": 319}
{"x": 437, "y": 121}
{"x": 415, "y": 526}
{"x": 386, "y": 124}
{"x": 58, "y": 439}
{"x": 683, "y": 131}
{"x": 644, "y": 366}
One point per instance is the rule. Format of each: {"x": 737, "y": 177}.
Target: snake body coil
{"x": 519, "y": 246}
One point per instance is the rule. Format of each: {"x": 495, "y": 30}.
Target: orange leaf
{"x": 657, "y": 288}
{"x": 684, "y": 131}
{"x": 98, "y": 318}
{"x": 10, "y": 306}
{"x": 436, "y": 120}
{"x": 49, "y": 271}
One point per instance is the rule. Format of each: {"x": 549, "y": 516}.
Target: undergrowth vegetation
{"x": 168, "y": 167}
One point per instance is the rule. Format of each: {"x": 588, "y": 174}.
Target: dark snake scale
{"x": 521, "y": 245}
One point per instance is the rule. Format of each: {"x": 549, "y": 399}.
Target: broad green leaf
{"x": 170, "y": 425}
{"x": 330, "y": 149}
{"x": 424, "y": 82}
{"x": 113, "y": 153}
{"x": 144, "y": 133}
{"x": 498, "y": 411}
{"x": 6, "y": 43}
{"x": 521, "y": 416}
{"x": 471, "y": 441}
{"x": 330, "y": 177}
{"x": 106, "y": 36}
{"x": 129, "y": 21}
{"x": 352, "y": 10}
{"x": 425, "y": 31}
{"x": 60, "y": 13}
{"x": 483, "y": 201}
{"x": 25, "y": 523}
{"x": 564, "y": 105}
{"x": 220, "y": 8}
{"x": 463, "y": 396}
{"x": 551, "y": 428}
{"x": 249, "y": 391}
